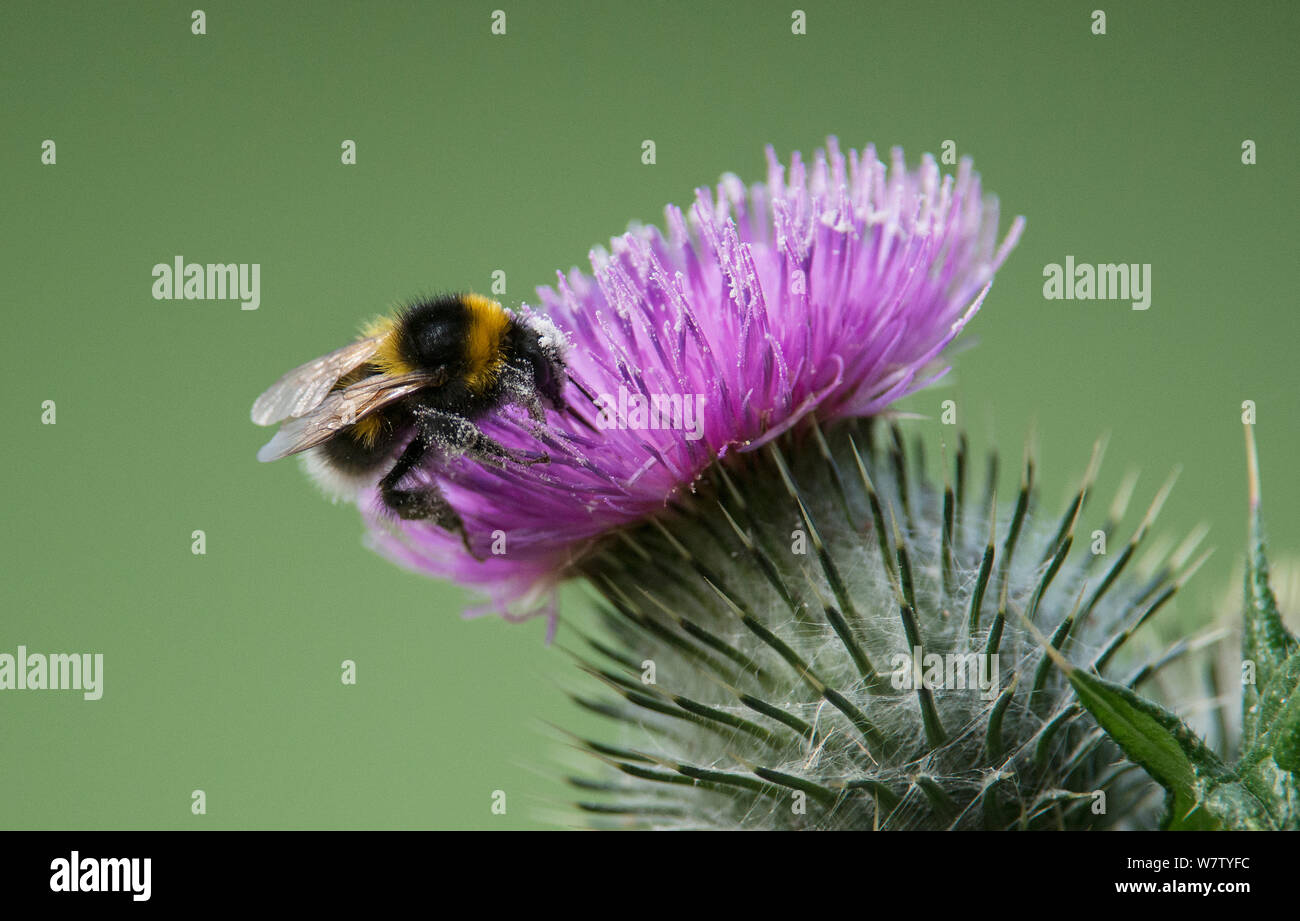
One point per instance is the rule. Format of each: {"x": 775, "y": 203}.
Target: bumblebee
{"x": 370, "y": 413}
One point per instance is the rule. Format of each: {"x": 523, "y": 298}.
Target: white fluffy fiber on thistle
{"x": 760, "y": 628}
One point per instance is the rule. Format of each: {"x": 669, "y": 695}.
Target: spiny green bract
{"x": 759, "y": 629}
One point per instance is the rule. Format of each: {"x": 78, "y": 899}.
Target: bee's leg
{"x": 534, "y": 408}
{"x": 521, "y": 390}
{"x": 426, "y": 503}
{"x": 458, "y": 435}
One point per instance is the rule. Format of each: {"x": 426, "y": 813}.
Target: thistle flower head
{"x": 830, "y": 290}
{"x": 801, "y": 631}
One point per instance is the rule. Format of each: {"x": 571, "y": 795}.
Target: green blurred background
{"x": 519, "y": 152}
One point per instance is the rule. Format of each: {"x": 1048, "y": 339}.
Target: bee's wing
{"x": 342, "y": 408}
{"x": 305, "y": 387}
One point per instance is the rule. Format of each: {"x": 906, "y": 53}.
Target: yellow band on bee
{"x": 388, "y": 359}
{"x": 485, "y": 330}
{"x": 486, "y": 322}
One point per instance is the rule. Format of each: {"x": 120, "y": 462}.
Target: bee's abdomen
{"x": 361, "y": 447}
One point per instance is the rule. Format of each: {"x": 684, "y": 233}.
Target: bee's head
{"x": 539, "y": 342}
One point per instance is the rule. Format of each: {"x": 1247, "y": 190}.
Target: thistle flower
{"x": 799, "y": 631}
{"x": 830, "y": 291}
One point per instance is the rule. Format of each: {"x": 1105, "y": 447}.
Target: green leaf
{"x": 1265, "y": 640}
{"x": 1271, "y": 715}
{"x": 1231, "y": 806}
{"x": 1286, "y": 741}
{"x": 1163, "y": 745}
{"x": 1275, "y": 713}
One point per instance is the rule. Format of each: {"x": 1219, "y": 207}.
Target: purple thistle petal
{"x": 832, "y": 290}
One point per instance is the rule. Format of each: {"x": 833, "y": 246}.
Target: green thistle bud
{"x": 821, "y": 638}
